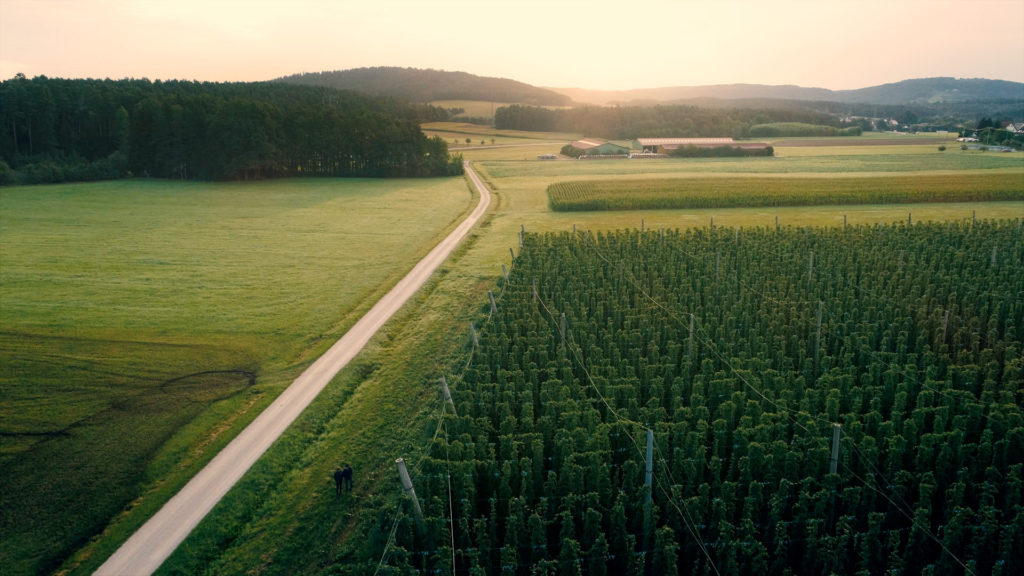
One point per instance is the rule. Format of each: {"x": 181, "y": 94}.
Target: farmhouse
{"x": 597, "y": 147}
{"x": 667, "y": 145}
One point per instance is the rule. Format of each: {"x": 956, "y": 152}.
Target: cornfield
{"x": 738, "y": 192}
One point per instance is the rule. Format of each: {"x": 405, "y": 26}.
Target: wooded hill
{"x": 418, "y": 85}
{"x": 56, "y": 130}
{"x": 915, "y": 91}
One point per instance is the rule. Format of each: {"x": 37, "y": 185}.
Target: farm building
{"x": 596, "y": 147}
{"x": 667, "y": 145}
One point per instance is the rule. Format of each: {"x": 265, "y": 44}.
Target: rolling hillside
{"x": 419, "y": 85}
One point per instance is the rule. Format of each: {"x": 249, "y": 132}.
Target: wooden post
{"x": 648, "y": 483}
{"x": 995, "y": 252}
{"x": 642, "y": 225}
{"x": 810, "y": 267}
{"x": 833, "y": 463}
{"x": 817, "y": 339}
{"x": 844, "y": 222}
{"x": 403, "y": 474}
{"x": 472, "y": 331}
{"x": 513, "y": 253}
{"x": 649, "y": 476}
{"x": 504, "y": 271}
{"x": 690, "y": 351}
{"x": 712, "y": 223}
{"x": 520, "y": 239}
{"x": 908, "y": 220}
{"x": 494, "y": 305}
{"x": 776, "y": 224}
{"x": 447, "y": 394}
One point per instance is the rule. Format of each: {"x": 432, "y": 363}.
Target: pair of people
{"x": 342, "y": 479}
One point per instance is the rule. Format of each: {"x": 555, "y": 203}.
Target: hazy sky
{"x": 596, "y": 44}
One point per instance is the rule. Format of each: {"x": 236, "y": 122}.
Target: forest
{"x": 730, "y": 356}
{"x": 55, "y": 130}
{"x": 628, "y": 122}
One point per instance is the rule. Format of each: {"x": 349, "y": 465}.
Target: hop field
{"x": 739, "y": 350}
{"x": 735, "y": 192}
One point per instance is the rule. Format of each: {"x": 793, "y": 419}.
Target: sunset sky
{"x": 597, "y": 44}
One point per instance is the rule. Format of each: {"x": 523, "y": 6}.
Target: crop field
{"x": 283, "y": 517}
{"x": 739, "y": 351}
{"x": 142, "y": 323}
{"x": 689, "y": 193}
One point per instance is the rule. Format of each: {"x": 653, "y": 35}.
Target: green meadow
{"x": 231, "y": 260}
{"x": 144, "y": 323}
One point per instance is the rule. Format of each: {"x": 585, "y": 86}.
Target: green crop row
{"x": 740, "y": 192}
{"x": 739, "y": 350}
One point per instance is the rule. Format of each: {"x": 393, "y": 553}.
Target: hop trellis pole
{"x": 403, "y": 475}
{"x": 447, "y": 394}
{"x": 833, "y": 463}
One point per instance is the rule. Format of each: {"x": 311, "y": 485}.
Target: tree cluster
{"x": 54, "y": 130}
{"x": 720, "y": 152}
{"x": 616, "y": 123}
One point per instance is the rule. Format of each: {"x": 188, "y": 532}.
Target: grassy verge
{"x": 144, "y": 323}
{"x": 689, "y": 193}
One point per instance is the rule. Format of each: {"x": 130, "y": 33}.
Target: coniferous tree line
{"x": 54, "y": 130}
{"x": 739, "y": 350}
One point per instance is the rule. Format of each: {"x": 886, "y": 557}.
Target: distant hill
{"x": 934, "y": 91}
{"x": 916, "y": 91}
{"x": 418, "y": 85}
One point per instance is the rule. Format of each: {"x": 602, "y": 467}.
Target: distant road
{"x": 147, "y": 549}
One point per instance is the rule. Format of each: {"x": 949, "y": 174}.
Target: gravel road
{"x": 147, "y": 549}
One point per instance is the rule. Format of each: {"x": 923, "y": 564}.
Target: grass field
{"x": 135, "y": 310}
{"x": 283, "y": 517}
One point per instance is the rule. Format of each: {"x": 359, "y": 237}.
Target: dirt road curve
{"x": 145, "y": 550}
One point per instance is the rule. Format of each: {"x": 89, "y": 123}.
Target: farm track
{"x": 155, "y": 540}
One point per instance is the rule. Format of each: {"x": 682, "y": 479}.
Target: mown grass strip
{"x": 740, "y": 192}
